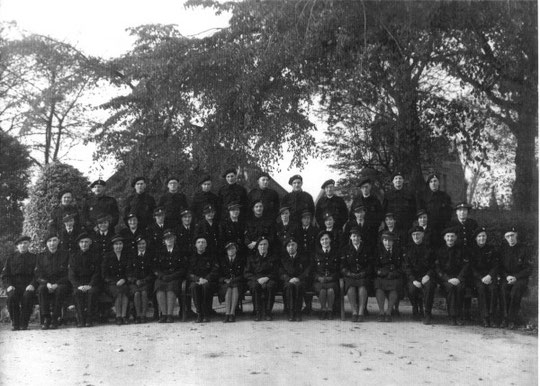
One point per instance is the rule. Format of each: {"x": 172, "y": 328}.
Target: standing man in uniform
{"x": 269, "y": 197}
{"x": 332, "y": 204}
{"x": 297, "y": 200}
{"x": 96, "y": 205}
{"x": 173, "y": 201}
{"x": 231, "y": 192}
{"x": 202, "y": 198}
{"x": 401, "y": 202}
{"x": 373, "y": 209}
{"x": 140, "y": 203}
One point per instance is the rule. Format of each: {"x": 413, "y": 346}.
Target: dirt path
{"x": 269, "y": 353}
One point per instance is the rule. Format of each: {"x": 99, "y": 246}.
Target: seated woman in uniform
{"x": 261, "y": 273}
{"x": 284, "y": 228}
{"x": 258, "y": 225}
{"x": 388, "y": 276}
{"x": 202, "y": 273}
{"x": 130, "y": 234}
{"x": 170, "y": 268}
{"x": 326, "y": 267}
{"x": 295, "y": 269}
{"x": 356, "y": 268}
{"x": 141, "y": 277}
{"x": 231, "y": 279}
{"x": 114, "y": 273}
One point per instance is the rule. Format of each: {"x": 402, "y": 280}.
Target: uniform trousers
{"x": 20, "y": 303}
{"x": 52, "y": 299}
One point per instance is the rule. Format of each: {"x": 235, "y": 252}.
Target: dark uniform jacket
{"x": 203, "y": 265}
{"x": 173, "y": 203}
{"x": 258, "y": 226}
{"x": 210, "y": 232}
{"x": 171, "y": 265}
{"x": 307, "y": 239}
{"x": 418, "y": 261}
{"x": 258, "y": 266}
{"x": 229, "y": 193}
{"x": 484, "y": 261}
{"x": 19, "y": 270}
{"x": 154, "y": 233}
{"x": 283, "y": 232}
{"x": 143, "y": 206}
{"x": 130, "y": 239}
{"x": 299, "y": 267}
{"x": 140, "y": 267}
{"x": 388, "y": 264}
{"x": 56, "y": 223}
{"x": 93, "y": 206}
{"x": 337, "y": 237}
{"x": 270, "y": 200}
{"x": 102, "y": 243}
{"x": 233, "y": 270}
{"x": 68, "y": 241}
{"x": 85, "y": 268}
{"x": 184, "y": 239}
{"x": 357, "y": 264}
{"x": 438, "y": 206}
{"x": 334, "y": 205}
{"x": 364, "y": 233}
{"x": 374, "y": 212}
{"x": 516, "y": 261}
{"x": 451, "y": 262}
{"x": 465, "y": 232}
{"x": 327, "y": 265}
{"x": 298, "y": 202}
{"x": 200, "y": 200}
{"x": 52, "y": 267}
{"x": 232, "y": 231}
{"x": 402, "y": 204}
{"x": 114, "y": 269}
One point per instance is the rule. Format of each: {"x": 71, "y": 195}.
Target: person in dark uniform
{"x": 114, "y": 273}
{"x": 515, "y": 269}
{"x": 185, "y": 233}
{"x": 297, "y": 200}
{"x": 326, "y": 272}
{"x": 170, "y": 270}
{"x": 261, "y": 272}
{"x": 129, "y": 235}
{"x": 97, "y": 205}
{"x": 140, "y": 203}
{"x": 209, "y": 229}
{"x": 85, "y": 278}
{"x": 285, "y": 229}
{"x": 388, "y": 276}
{"x": 401, "y": 202}
{"x": 357, "y": 271}
{"x": 451, "y": 266}
{"x": 484, "y": 262}
{"x": 231, "y": 279}
{"x": 431, "y": 239}
{"x": 173, "y": 201}
{"x": 359, "y": 222}
{"x": 329, "y": 225}
{"x": 101, "y": 238}
{"x": 373, "y": 208}
{"x": 330, "y": 203}
{"x": 68, "y": 234}
{"x": 231, "y": 192}
{"x": 202, "y": 198}
{"x": 307, "y": 243}
{"x": 419, "y": 267}
{"x": 437, "y": 204}
{"x": 294, "y": 271}
{"x": 400, "y": 238}
{"x": 20, "y": 285}
{"x": 269, "y": 197}
{"x": 53, "y": 283}
{"x": 154, "y": 233}
{"x": 257, "y": 225}
{"x": 232, "y": 229}
{"x": 203, "y": 274}
{"x": 141, "y": 278}
{"x": 66, "y": 207}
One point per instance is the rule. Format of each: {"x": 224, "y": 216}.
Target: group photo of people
{"x": 172, "y": 253}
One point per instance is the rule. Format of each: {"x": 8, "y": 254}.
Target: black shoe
{"x": 23, "y": 328}
{"x": 258, "y": 316}
{"x": 205, "y": 319}
{"x": 226, "y": 319}
{"x": 138, "y": 320}
{"x": 89, "y": 324}
{"x": 388, "y": 318}
{"x": 15, "y": 328}
{"x": 360, "y": 318}
{"x": 162, "y": 319}
{"x": 199, "y": 319}
{"x": 354, "y": 319}
{"x": 80, "y": 324}
{"x": 232, "y": 318}
{"x": 291, "y": 317}
{"x": 268, "y": 317}
{"x": 329, "y": 315}
{"x": 380, "y": 318}
{"x": 504, "y": 323}
{"x": 142, "y": 319}
{"x": 54, "y": 325}
{"x": 299, "y": 316}
{"x": 511, "y": 326}
{"x": 322, "y": 315}
{"x": 119, "y": 321}
{"x": 453, "y": 321}
{"x": 485, "y": 323}
{"x": 460, "y": 322}
{"x": 307, "y": 310}
{"x": 170, "y": 319}
{"x": 427, "y": 319}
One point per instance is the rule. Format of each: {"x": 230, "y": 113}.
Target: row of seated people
{"x": 499, "y": 275}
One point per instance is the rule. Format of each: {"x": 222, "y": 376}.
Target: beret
{"x": 324, "y": 232}
{"x": 289, "y": 240}
{"x": 261, "y": 238}
{"x": 283, "y": 209}
{"x": 389, "y": 214}
{"x": 430, "y": 177}
{"x": 328, "y": 182}
{"x": 233, "y": 205}
{"x": 229, "y": 171}
{"x": 208, "y": 209}
{"x": 462, "y": 205}
{"x": 204, "y": 179}
{"x": 449, "y": 230}
{"x": 168, "y": 233}
{"x": 137, "y": 179}
{"x": 62, "y": 192}
{"x": 356, "y": 231}
{"x": 363, "y": 181}
{"x": 359, "y": 207}
{"x": 231, "y": 244}
{"x": 327, "y": 215}
{"x": 512, "y": 229}
{"x": 306, "y": 213}
{"x": 98, "y": 182}
{"x": 421, "y": 212}
{"x": 479, "y": 230}
{"x": 83, "y": 235}
{"x": 172, "y": 179}
{"x": 416, "y": 228}
{"x": 102, "y": 217}
{"x": 397, "y": 173}
{"x": 295, "y": 177}
{"x": 49, "y": 236}
{"x": 263, "y": 174}
{"x": 68, "y": 216}
{"x": 116, "y": 238}
{"x": 159, "y": 211}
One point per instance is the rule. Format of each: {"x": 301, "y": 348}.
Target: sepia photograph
{"x": 269, "y": 192}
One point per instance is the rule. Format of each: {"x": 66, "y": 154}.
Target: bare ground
{"x": 269, "y": 353}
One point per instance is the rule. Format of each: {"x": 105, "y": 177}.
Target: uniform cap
{"x": 416, "y": 228}
{"x": 49, "y": 236}
{"x": 397, "y": 173}
{"x": 306, "y": 213}
{"x": 83, "y": 235}
{"x": 208, "y": 209}
{"x": 449, "y": 230}
{"x": 204, "y": 179}
{"x": 116, "y": 238}
{"x": 283, "y": 209}
{"x": 295, "y": 177}
{"x": 363, "y": 181}
{"x": 68, "y": 216}
{"x": 389, "y": 214}
{"x": 172, "y": 179}
{"x": 356, "y": 231}
{"x": 102, "y": 217}
{"x": 168, "y": 233}
{"x": 263, "y": 174}
{"x": 328, "y": 182}
{"x": 462, "y": 205}
{"x": 231, "y": 244}
{"x": 98, "y": 182}
{"x": 137, "y": 179}
{"x": 327, "y": 215}
{"x": 130, "y": 215}
{"x": 289, "y": 240}
{"x": 358, "y": 207}
{"x": 140, "y": 238}
{"x": 233, "y": 206}
{"x": 159, "y": 211}
{"x": 388, "y": 235}
{"x": 21, "y": 239}
{"x": 185, "y": 212}
{"x": 511, "y": 229}
{"x": 421, "y": 212}
{"x": 228, "y": 171}
{"x": 479, "y": 230}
